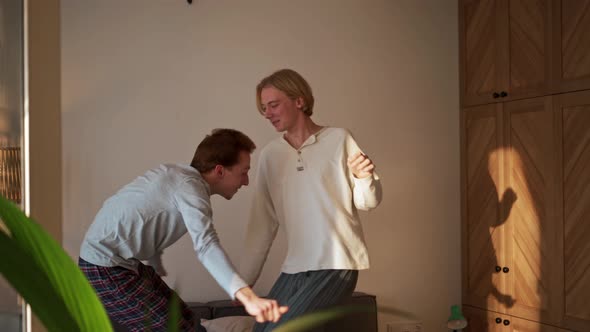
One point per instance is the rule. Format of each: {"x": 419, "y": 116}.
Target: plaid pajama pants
{"x": 138, "y": 301}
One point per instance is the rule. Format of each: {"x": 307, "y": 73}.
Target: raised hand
{"x": 360, "y": 165}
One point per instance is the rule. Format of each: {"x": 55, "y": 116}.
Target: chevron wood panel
{"x": 484, "y": 240}
{"x": 527, "y": 44}
{"x": 480, "y": 47}
{"x": 576, "y": 136}
{"x": 485, "y": 321}
{"x": 479, "y": 320}
{"x": 532, "y": 177}
{"x": 575, "y": 39}
{"x": 523, "y": 325}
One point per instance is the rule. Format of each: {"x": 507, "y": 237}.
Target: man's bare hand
{"x": 264, "y": 310}
{"x": 360, "y": 165}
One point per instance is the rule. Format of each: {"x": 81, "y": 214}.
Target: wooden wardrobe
{"x": 525, "y": 164}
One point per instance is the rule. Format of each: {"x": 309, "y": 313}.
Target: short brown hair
{"x": 221, "y": 147}
{"x": 292, "y": 84}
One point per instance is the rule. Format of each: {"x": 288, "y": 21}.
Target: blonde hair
{"x": 292, "y": 84}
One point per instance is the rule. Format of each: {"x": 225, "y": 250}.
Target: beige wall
{"x": 144, "y": 81}
{"x": 44, "y": 118}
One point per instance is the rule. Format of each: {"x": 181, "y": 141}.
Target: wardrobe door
{"x": 529, "y": 43}
{"x": 571, "y": 50}
{"x": 482, "y": 182}
{"x": 534, "y": 266}
{"x": 482, "y": 320}
{"x": 574, "y": 109}
{"x": 483, "y": 26}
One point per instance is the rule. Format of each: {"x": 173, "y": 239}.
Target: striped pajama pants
{"x": 309, "y": 291}
{"x": 138, "y": 301}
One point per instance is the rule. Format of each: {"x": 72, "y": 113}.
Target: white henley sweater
{"x": 153, "y": 212}
{"x": 314, "y": 195}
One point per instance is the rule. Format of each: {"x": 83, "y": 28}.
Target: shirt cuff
{"x": 235, "y": 285}
{"x": 365, "y": 182}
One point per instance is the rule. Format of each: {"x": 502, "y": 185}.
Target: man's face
{"x": 279, "y": 109}
{"x": 236, "y": 176}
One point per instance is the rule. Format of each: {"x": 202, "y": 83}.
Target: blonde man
{"x": 312, "y": 180}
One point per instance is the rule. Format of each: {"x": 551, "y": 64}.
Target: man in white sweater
{"x": 153, "y": 212}
{"x": 312, "y": 181}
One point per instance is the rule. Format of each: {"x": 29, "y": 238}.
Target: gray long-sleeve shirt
{"x": 153, "y": 212}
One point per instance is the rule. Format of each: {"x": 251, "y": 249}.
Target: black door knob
{"x": 495, "y": 95}
{"x": 505, "y": 269}
{"x": 503, "y": 94}
{"x": 498, "y": 320}
{"x": 506, "y": 322}
{"x": 498, "y": 269}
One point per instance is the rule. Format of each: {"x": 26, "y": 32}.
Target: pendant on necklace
{"x": 300, "y": 168}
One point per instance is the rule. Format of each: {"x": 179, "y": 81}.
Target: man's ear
{"x": 299, "y": 103}
{"x": 219, "y": 170}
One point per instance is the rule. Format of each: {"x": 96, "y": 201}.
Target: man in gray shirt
{"x": 153, "y": 212}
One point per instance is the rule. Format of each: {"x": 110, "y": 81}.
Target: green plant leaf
{"x": 174, "y": 313}
{"x": 316, "y": 319}
{"x": 28, "y": 279}
{"x": 59, "y": 270}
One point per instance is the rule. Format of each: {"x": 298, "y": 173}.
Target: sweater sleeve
{"x": 195, "y": 206}
{"x": 367, "y": 192}
{"x": 262, "y": 228}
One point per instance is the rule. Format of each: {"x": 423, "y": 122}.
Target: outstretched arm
{"x": 194, "y": 205}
